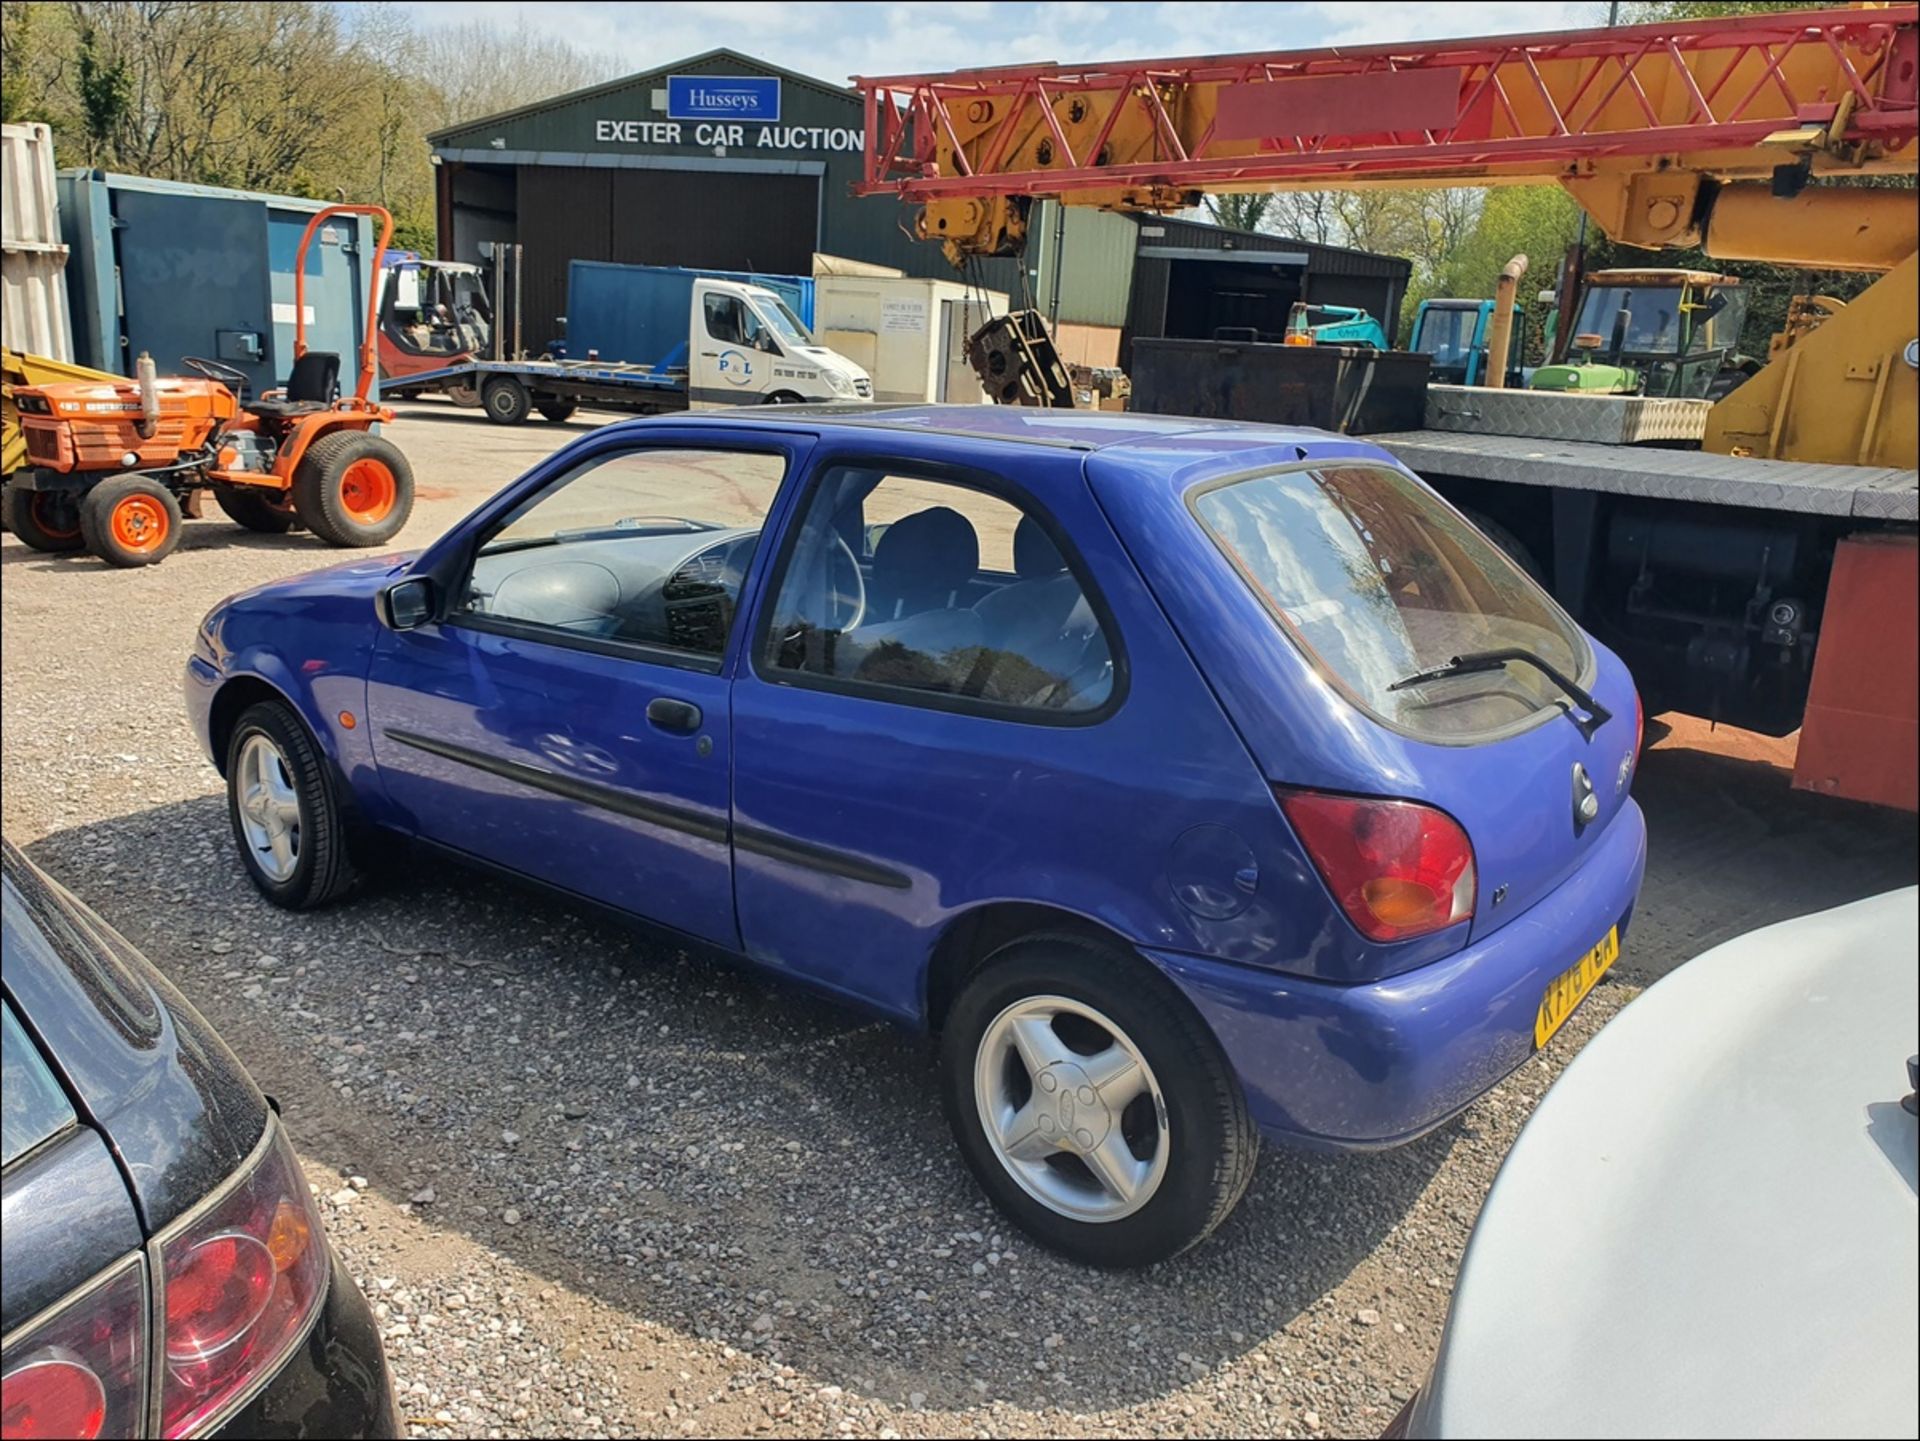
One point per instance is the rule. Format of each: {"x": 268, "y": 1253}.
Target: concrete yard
{"x": 596, "y": 1187}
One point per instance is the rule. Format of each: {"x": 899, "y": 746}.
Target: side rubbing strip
{"x": 819, "y": 858}
{"x": 606, "y": 798}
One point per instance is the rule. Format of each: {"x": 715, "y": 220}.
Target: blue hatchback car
{"x": 1190, "y": 780}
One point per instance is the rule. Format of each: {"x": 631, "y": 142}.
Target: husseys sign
{"x": 737, "y": 111}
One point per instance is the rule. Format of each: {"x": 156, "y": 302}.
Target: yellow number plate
{"x": 1570, "y": 987}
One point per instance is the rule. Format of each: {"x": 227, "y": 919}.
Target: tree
{"x": 473, "y": 69}
{"x": 1240, "y": 212}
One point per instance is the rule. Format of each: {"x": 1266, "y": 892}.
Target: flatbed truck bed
{"x": 509, "y": 389}
{"x": 1864, "y": 492}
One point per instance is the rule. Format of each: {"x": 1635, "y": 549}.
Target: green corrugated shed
{"x": 1091, "y": 288}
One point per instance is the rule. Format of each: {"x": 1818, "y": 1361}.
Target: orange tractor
{"x": 114, "y": 466}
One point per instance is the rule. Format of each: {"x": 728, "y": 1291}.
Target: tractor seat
{"x": 312, "y": 386}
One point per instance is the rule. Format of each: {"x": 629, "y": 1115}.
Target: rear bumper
{"x": 1358, "y": 1067}
{"x": 335, "y": 1385}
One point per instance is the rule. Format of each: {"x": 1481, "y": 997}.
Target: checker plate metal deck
{"x": 1865, "y": 492}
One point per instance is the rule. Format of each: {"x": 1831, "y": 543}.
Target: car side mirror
{"x": 408, "y": 604}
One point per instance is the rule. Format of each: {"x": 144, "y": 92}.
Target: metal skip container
{"x": 33, "y": 305}
{"x": 177, "y": 270}
{"x": 1344, "y": 388}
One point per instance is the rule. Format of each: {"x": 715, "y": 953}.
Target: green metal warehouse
{"x": 641, "y": 171}
{"x": 726, "y": 162}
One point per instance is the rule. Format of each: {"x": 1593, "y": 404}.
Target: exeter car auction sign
{"x": 722, "y": 113}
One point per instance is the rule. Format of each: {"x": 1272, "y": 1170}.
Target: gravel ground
{"x": 598, "y": 1187}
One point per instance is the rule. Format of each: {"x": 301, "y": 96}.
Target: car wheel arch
{"x": 972, "y": 938}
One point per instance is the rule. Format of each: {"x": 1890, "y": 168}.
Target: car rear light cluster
{"x": 1398, "y": 869}
{"x": 241, "y": 1282}
{"x": 81, "y": 1372}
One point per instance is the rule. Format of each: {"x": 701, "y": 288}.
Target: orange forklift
{"x": 113, "y": 467}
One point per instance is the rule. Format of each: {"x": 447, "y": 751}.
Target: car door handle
{"x": 677, "y": 716}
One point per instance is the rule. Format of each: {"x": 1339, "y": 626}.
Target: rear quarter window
{"x": 1376, "y": 579}
{"x": 33, "y": 1108}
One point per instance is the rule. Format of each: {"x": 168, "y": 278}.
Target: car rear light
{"x": 81, "y": 1371}
{"x": 1639, "y": 727}
{"x": 243, "y": 1280}
{"x": 1398, "y": 869}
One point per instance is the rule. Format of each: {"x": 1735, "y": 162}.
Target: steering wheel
{"x": 214, "y": 370}
{"x": 842, "y": 603}
{"x": 847, "y": 593}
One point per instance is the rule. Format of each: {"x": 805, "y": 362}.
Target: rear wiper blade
{"x": 1596, "y": 715}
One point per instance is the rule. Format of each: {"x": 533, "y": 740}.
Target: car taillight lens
{"x": 82, "y": 1371}
{"x": 1397, "y": 869}
{"x": 243, "y": 1280}
{"x": 1639, "y": 727}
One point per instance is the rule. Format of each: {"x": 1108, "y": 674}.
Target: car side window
{"x": 646, "y": 547}
{"x": 900, "y": 583}
{"x": 35, "y": 1107}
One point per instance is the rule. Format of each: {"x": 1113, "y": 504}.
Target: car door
{"x": 898, "y": 753}
{"x": 564, "y": 712}
{"x": 733, "y": 352}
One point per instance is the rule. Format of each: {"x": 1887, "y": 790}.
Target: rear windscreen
{"x": 1378, "y": 579}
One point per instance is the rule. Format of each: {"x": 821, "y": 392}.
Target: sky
{"x": 833, "y": 41}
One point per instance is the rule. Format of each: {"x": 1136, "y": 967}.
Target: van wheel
{"x": 782, "y": 397}
{"x": 507, "y": 401}
{"x": 353, "y": 489}
{"x": 1509, "y": 544}
{"x": 287, "y": 819}
{"x": 1092, "y": 1103}
{"x": 269, "y": 512}
{"x": 47, "y": 520}
{"x": 557, "y": 410}
{"x": 130, "y": 520}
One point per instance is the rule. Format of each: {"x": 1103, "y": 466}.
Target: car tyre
{"x": 273, "y": 762}
{"x": 45, "y": 520}
{"x": 506, "y": 400}
{"x": 130, "y": 520}
{"x": 353, "y": 489}
{"x": 268, "y": 512}
{"x": 1187, "y": 1131}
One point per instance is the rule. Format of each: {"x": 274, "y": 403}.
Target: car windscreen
{"x": 33, "y": 1108}
{"x": 1377, "y": 580}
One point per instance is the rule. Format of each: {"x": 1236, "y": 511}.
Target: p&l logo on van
{"x": 723, "y": 97}
{"x": 736, "y": 367}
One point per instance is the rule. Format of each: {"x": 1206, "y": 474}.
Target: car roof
{"x": 1086, "y": 430}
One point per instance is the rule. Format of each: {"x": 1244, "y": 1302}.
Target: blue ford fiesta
{"x": 1190, "y": 780}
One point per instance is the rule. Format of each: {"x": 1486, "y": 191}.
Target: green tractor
{"x": 1673, "y": 334}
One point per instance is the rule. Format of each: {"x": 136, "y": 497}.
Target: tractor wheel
{"x": 506, "y": 399}
{"x": 269, "y": 512}
{"x": 46, "y": 520}
{"x": 130, "y": 520}
{"x": 557, "y": 410}
{"x": 353, "y": 489}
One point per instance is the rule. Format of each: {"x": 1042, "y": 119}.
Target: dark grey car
{"x": 165, "y": 1273}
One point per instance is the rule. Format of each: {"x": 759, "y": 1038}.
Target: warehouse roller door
{"x": 715, "y": 220}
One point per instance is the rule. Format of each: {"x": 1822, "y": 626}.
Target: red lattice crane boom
{"x": 1648, "y": 126}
